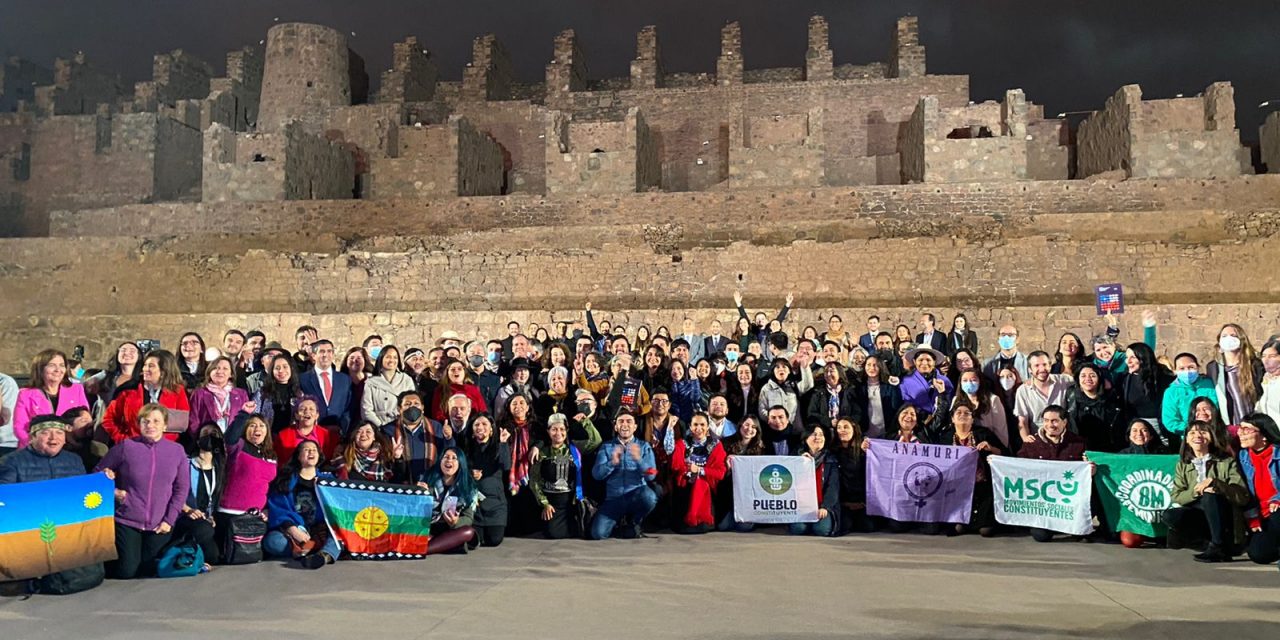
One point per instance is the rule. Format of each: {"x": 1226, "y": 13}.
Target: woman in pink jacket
{"x": 49, "y": 390}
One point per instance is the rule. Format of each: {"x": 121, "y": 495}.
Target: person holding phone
{"x": 455, "y": 496}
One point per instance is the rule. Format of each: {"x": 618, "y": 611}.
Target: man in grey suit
{"x": 697, "y": 341}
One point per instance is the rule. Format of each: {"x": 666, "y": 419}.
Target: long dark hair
{"x": 290, "y": 470}
{"x": 1149, "y": 370}
{"x": 1217, "y": 448}
{"x": 737, "y": 445}
{"x": 1080, "y": 354}
{"x": 273, "y": 389}
{"x": 201, "y": 364}
{"x": 464, "y": 486}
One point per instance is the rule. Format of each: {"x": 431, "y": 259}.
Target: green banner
{"x": 1135, "y": 490}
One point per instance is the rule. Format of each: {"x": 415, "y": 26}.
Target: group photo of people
{"x": 588, "y": 429}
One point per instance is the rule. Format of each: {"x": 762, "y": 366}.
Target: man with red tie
{"x": 331, "y": 386}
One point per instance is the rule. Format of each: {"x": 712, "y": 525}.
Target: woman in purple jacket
{"x": 218, "y": 400}
{"x": 152, "y": 480}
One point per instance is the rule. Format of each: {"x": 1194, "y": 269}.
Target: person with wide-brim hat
{"x": 926, "y": 388}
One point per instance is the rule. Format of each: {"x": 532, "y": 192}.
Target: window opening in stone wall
{"x": 966, "y": 133}
{"x": 258, "y": 157}
{"x": 310, "y": 84}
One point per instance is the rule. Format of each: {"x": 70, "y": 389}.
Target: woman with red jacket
{"x": 698, "y": 465}
{"x": 161, "y": 384}
{"x": 455, "y": 382}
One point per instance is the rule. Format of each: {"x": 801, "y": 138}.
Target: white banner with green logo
{"x": 1044, "y": 494}
{"x": 774, "y": 489}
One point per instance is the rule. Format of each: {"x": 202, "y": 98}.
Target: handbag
{"x": 180, "y": 559}
{"x": 586, "y": 512}
{"x": 243, "y": 541}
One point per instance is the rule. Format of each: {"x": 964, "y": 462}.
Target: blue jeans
{"x": 636, "y": 504}
{"x": 820, "y": 528}
{"x": 276, "y": 544}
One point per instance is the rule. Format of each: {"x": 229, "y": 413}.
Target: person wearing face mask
{"x": 985, "y": 405}
{"x": 208, "y": 478}
{"x": 1186, "y": 387}
{"x": 415, "y": 438}
{"x": 1269, "y": 402}
{"x": 889, "y": 360}
{"x": 1260, "y": 465}
{"x": 1007, "y": 356}
{"x": 483, "y": 365}
{"x": 1236, "y": 372}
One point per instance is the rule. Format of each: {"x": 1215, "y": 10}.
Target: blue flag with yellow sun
{"x": 49, "y": 526}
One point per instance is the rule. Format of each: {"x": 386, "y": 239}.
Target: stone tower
{"x": 307, "y": 70}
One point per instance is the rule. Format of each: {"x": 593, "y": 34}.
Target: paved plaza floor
{"x": 759, "y": 585}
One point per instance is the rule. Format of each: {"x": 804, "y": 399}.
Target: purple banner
{"x": 915, "y": 482}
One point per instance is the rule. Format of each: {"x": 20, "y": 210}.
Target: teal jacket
{"x": 1118, "y": 365}
{"x": 1176, "y": 409}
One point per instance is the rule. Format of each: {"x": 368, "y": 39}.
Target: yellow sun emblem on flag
{"x": 371, "y": 522}
{"x": 92, "y": 500}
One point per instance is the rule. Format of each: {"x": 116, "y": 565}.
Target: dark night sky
{"x": 1068, "y": 54}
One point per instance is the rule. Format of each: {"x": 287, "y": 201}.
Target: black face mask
{"x": 412, "y": 415}
{"x": 209, "y": 443}
{"x": 584, "y": 408}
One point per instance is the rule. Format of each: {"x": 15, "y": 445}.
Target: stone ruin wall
{"x": 761, "y": 180}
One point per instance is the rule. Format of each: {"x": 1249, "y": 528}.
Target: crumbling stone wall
{"x": 599, "y": 157}
{"x": 288, "y": 165}
{"x": 176, "y": 75}
{"x": 1269, "y": 142}
{"x": 907, "y": 56}
{"x": 489, "y": 76}
{"x": 777, "y": 152}
{"x": 438, "y": 161}
{"x": 915, "y": 208}
{"x": 1188, "y": 137}
{"x": 78, "y": 88}
{"x": 18, "y": 80}
{"x": 412, "y": 76}
{"x": 233, "y": 100}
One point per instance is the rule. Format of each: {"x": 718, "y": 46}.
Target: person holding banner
{"x": 962, "y": 432}
{"x": 295, "y": 521}
{"x": 1210, "y": 495}
{"x": 698, "y": 466}
{"x": 1260, "y": 464}
{"x": 626, "y": 466}
{"x": 988, "y": 410}
{"x": 909, "y": 429}
{"x": 847, "y": 447}
{"x": 1052, "y": 442}
{"x": 746, "y": 442}
{"x": 827, "y": 476}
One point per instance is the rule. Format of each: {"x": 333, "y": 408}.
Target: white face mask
{"x": 1229, "y": 343}
{"x": 1006, "y": 383}
{"x": 821, "y": 362}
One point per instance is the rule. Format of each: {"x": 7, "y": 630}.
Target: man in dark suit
{"x": 331, "y": 386}
{"x": 929, "y": 336}
{"x": 715, "y": 343}
{"x": 868, "y": 340}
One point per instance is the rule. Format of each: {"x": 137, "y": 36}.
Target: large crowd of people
{"x": 600, "y": 431}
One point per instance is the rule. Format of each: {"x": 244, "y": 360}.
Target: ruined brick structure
{"x": 285, "y": 191}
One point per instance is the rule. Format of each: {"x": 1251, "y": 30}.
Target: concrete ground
{"x": 725, "y": 585}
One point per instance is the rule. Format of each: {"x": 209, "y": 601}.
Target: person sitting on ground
{"x": 369, "y": 455}
{"x": 251, "y": 466}
{"x": 152, "y": 480}
{"x": 455, "y": 498}
{"x": 556, "y": 476}
{"x": 1260, "y": 466}
{"x": 827, "y": 476}
{"x": 1141, "y": 440}
{"x": 626, "y": 466}
{"x": 208, "y": 479}
{"x": 295, "y": 523}
{"x": 1209, "y": 497}
{"x": 745, "y": 442}
{"x": 490, "y": 458}
{"x": 698, "y": 466}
